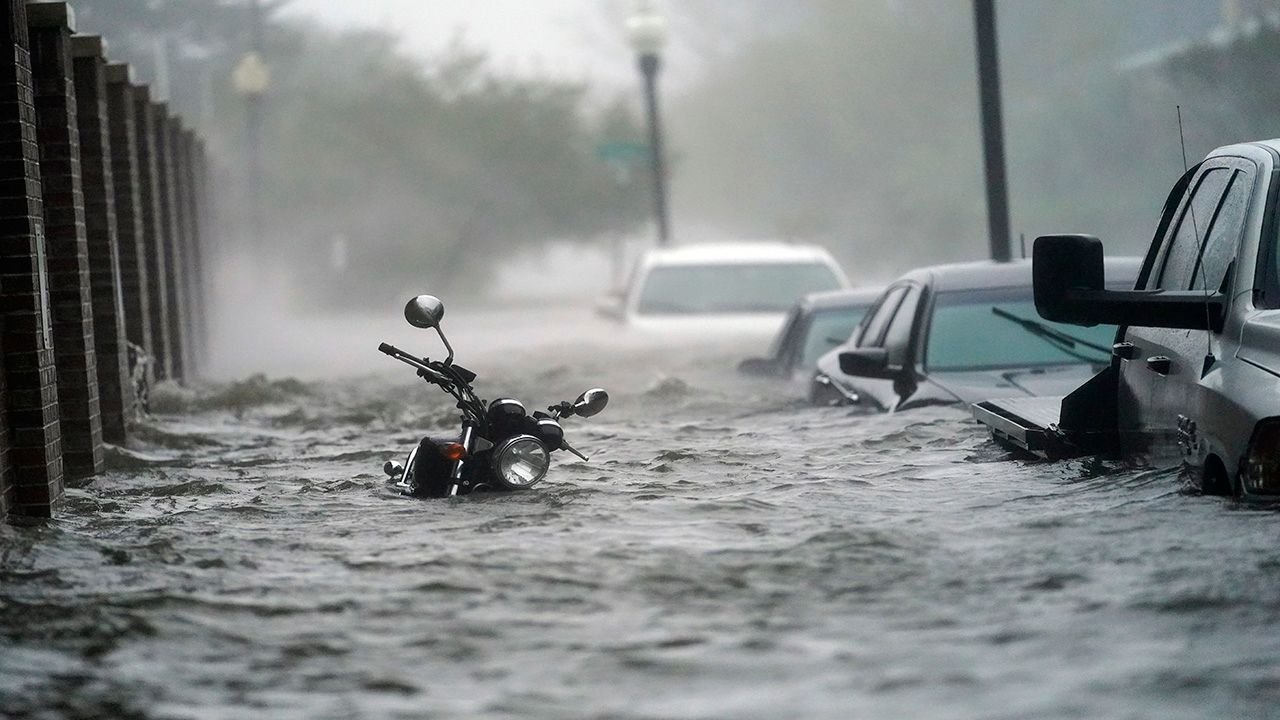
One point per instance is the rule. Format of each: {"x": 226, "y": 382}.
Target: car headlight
{"x": 1261, "y": 474}
{"x": 520, "y": 462}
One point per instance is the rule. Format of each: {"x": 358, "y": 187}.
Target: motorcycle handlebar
{"x": 424, "y": 371}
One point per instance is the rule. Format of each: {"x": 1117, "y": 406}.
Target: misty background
{"x": 440, "y": 146}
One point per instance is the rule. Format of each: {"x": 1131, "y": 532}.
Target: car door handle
{"x": 1125, "y": 350}
{"x": 1159, "y": 364}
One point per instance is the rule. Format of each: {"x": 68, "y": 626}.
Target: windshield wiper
{"x": 1063, "y": 341}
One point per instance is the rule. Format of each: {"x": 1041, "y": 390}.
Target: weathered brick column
{"x": 155, "y": 235}
{"x": 205, "y": 237}
{"x": 185, "y": 150}
{"x": 126, "y": 181}
{"x": 31, "y": 479}
{"x": 115, "y": 392}
{"x": 175, "y": 250}
{"x": 50, "y": 26}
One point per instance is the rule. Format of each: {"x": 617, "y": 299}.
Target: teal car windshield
{"x": 731, "y": 288}
{"x": 993, "y": 329}
{"x": 828, "y": 329}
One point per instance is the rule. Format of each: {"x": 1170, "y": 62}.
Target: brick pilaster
{"x": 184, "y": 150}
{"x": 175, "y": 248}
{"x": 155, "y": 234}
{"x": 7, "y": 489}
{"x": 203, "y": 209}
{"x": 195, "y": 238}
{"x": 50, "y": 26}
{"x": 31, "y": 480}
{"x": 126, "y": 182}
{"x": 115, "y": 392}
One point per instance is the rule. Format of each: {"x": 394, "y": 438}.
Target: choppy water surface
{"x": 728, "y": 553}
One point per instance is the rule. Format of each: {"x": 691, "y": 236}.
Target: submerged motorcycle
{"x": 500, "y": 446}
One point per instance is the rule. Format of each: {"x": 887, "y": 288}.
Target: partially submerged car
{"x": 741, "y": 289}
{"x": 1194, "y": 374}
{"x": 961, "y": 333}
{"x": 817, "y": 323}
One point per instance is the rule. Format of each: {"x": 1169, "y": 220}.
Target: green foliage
{"x": 420, "y": 171}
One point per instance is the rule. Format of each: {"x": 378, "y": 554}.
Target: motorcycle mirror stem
{"x": 566, "y": 446}
{"x": 447, "y": 346}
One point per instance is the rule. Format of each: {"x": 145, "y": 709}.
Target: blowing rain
{"x": 639, "y": 359}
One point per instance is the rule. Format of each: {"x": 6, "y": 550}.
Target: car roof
{"x": 733, "y": 253}
{"x": 1273, "y": 145}
{"x": 986, "y": 274}
{"x": 863, "y": 296}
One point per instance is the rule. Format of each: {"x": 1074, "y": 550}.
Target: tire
{"x": 1215, "y": 481}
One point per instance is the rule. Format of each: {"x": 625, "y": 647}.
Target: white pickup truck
{"x": 718, "y": 291}
{"x": 1195, "y": 371}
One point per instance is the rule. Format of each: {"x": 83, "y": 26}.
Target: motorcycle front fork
{"x": 468, "y": 442}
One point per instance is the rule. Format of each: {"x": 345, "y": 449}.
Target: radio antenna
{"x": 1182, "y": 139}
{"x": 1199, "y": 265}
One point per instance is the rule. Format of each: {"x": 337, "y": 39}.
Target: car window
{"x": 786, "y": 338}
{"x": 967, "y": 333}
{"x": 873, "y": 329}
{"x": 828, "y": 329}
{"x": 898, "y": 337}
{"x": 729, "y": 288}
{"x": 1220, "y": 246}
{"x": 1181, "y": 254}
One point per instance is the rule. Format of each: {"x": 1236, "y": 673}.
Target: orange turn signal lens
{"x": 453, "y": 451}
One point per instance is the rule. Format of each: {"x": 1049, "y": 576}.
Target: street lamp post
{"x": 647, "y": 29}
{"x": 251, "y": 79}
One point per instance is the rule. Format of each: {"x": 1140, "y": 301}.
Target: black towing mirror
{"x": 760, "y": 367}
{"x": 869, "y": 362}
{"x": 1070, "y": 287}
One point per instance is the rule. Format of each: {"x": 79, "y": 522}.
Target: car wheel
{"x": 1215, "y": 481}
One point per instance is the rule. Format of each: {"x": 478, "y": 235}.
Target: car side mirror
{"x": 759, "y": 367}
{"x": 610, "y": 307}
{"x": 870, "y": 362}
{"x": 1070, "y": 287}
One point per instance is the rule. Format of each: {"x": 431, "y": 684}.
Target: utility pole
{"x": 984, "y": 20}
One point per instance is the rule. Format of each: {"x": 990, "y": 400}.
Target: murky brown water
{"x": 727, "y": 553}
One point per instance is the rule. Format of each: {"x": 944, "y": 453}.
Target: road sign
{"x": 621, "y": 151}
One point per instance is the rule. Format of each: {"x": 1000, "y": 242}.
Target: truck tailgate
{"x": 1028, "y": 423}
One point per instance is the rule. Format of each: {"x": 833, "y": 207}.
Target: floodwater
{"x": 727, "y": 553}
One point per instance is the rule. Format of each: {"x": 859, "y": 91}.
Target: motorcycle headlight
{"x": 520, "y": 462}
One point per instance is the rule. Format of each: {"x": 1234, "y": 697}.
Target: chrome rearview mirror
{"x": 590, "y": 403}
{"x": 424, "y": 311}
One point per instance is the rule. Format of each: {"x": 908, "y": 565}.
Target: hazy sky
{"x": 568, "y": 38}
